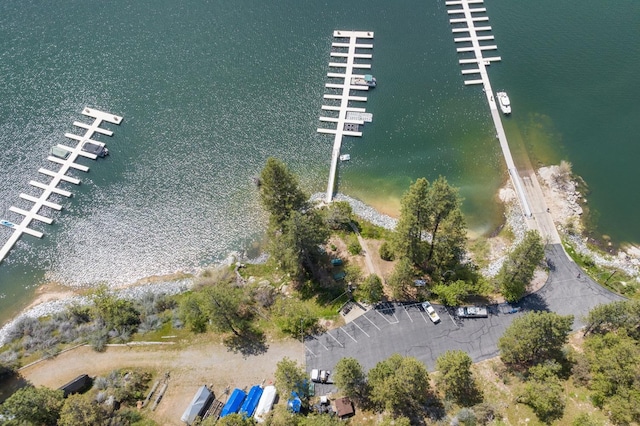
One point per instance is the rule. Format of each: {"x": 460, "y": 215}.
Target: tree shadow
{"x": 533, "y": 302}
{"x": 251, "y": 342}
{"x": 10, "y": 382}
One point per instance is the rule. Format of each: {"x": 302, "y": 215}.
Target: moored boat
{"x": 504, "y": 102}
{"x": 345, "y": 157}
{"x": 56, "y": 151}
{"x": 367, "y": 80}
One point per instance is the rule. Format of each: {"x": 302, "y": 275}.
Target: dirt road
{"x": 189, "y": 368}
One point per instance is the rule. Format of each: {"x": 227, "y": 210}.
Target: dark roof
{"x": 344, "y": 407}
{"x": 80, "y": 384}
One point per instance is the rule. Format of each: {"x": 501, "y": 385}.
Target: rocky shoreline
{"x": 561, "y": 196}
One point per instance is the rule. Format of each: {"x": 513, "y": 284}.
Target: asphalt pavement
{"x": 405, "y": 328}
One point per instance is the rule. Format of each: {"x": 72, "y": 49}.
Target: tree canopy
{"x": 290, "y": 377}
{"x": 279, "y": 192}
{"x": 456, "y": 378}
{"x": 79, "y": 410}
{"x": 30, "y": 405}
{"x": 431, "y": 231}
{"x": 350, "y": 378}
{"x": 534, "y": 338}
{"x": 399, "y": 384}
{"x": 371, "y": 290}
{"x": 517, "y": 270}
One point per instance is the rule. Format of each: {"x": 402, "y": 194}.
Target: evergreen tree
{"x": 350, "y": 378}
{"x": 290, "y": 377}
{"x": 445, "y": 204}
{"x": 371, "y": 290}
{"x": 517, "y": 271}
{"x": 80, "y": 410}
{"x": 414, "y": 218}
{"x": 534, "y": 338}
{"x": 401, "y": 278}
{"x": 279, "y": 192}
{"x": 33, "y": 406}
{"x": 399, "y": 384}
{"x": 456, "y": 378}
{"x": 227, "y": 308}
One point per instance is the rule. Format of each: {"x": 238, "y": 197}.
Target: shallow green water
{"x": 210, "y": 89}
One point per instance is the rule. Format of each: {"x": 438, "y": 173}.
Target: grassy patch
{"x": 480, "y": 251}
{"x": 611, "y": 278}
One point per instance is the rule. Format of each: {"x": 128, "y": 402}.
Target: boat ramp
{"x": 71, "y": 154}
{"x": 471, "y": 34}
{"x": 348, "y": 53}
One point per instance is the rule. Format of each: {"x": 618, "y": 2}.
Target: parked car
{"x": 472, "y": 312}
{"x": 433, "y": 315}
{"x": 320, "y": 376}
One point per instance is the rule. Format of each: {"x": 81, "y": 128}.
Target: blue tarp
{"x": 294, "y": 404}
{"x": 233, "y": 403}
{"x": 251, "y": 402}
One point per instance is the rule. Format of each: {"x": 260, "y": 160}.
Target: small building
{"x": 199, "y": 405}
{"x": 233, "y": 403}
{"x": 80, "y": 384}
{"x": 344, "y": 408}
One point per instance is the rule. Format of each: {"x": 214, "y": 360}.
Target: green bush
{"x": 386, "y": 252}
{"x": 354, "y": 246}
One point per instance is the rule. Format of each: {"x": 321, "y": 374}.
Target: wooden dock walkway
{"x": 345, "y": 87}
{"x": 56, "y": 178}
{"x": 526, "y": 185}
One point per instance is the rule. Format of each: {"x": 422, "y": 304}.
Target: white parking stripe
{"x": 318, "y": 340}
{"x": 385, "y": 318}
{"x": 354, "y": 323}
{"x": 407, "y": 312}
{"x": 365, "y": 317}
{"x": 345, "y": 332}
{"x": 423, "y": 317}
{"x": 310, "y": 351}
{"x": 338, "y": 342}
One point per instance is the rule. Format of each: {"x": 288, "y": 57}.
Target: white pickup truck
{"x": 433, "y": 315}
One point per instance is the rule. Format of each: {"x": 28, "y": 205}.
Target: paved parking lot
{"x": 406, "y": 329}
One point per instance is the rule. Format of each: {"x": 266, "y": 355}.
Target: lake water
{"x": 210, "y": 89}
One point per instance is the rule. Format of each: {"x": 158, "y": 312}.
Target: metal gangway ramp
{"x": 345, "y": 56}
{"x": 56, "y": 177}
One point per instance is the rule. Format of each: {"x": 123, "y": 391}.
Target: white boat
{"x": 368, "y": 80}
{"x": 503, "y": 101}
{"x": 345, "y": 157}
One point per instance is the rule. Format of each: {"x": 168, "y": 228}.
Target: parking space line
{"x": 318, "y": 340}
{"x": 425, "y": 320}
{"x": 310, "y": 351}
{"x": 354, "y": 323}
{"x": 345, "y": 332}
{"x": 394, "y": 315}
{"x": 337, "y": 341}
{"x": 372, "y": 323}
{"x": 407, "y": 312}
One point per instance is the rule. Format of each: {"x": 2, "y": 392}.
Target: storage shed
{"x": 344, "y": 408}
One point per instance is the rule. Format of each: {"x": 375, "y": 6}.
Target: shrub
{"x": 386, "y": 252}
{"x": 354, "y": 246}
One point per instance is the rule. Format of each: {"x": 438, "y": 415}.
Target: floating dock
{"x": 349, "y": 118}
{"x": 529, "y": 193}
{"x": 57, "y": 177}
